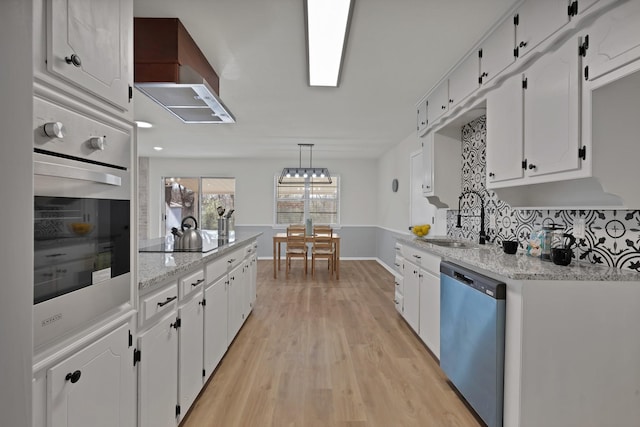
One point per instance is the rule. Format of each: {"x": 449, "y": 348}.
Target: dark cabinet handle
{"x": 491, "y": 174}
{"x": 532, "y": 166}
{"x": 73, "y": 377}
{"x": 197, "y": 282}
{"x": 74, "y": 60}
{"x": 443, "y": 107}
{"x": 167, "y": 301}
{"x": 522, "y": 44}
{"x": 450, "y": 101}
{"x": 484, "y": 74}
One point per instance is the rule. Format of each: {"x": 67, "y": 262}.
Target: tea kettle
{"x": 191, "y": 239}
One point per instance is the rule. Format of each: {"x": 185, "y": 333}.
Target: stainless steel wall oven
{"x": 82, "y": 220}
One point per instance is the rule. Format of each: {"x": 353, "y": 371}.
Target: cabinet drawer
{"x": 216, "y": 269}
{"x": 160, "y": 302}
{"x": 399, "y": 285}
{"x": 399, "y": 264}
{"x": 191, "y": 283}
{"x": 248, "y": 250}
{"x": 398, "y": 301}
{"x": 423, "y": 259}
{"x": 235, "y": 258}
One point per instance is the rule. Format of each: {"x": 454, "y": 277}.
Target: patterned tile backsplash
{"x": 612, "y": 237}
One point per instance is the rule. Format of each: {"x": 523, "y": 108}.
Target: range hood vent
{"x": 171, "y": 70}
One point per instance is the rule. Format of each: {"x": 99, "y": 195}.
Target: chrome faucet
{"x": 483, "y": 235}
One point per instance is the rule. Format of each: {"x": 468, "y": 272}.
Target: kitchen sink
{"x": 450, "y": 244}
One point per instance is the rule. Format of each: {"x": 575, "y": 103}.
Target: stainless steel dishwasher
{"x": 472, "y": 312}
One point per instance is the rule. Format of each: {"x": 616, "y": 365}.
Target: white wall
{"x": 254, "y": 201}
{"x": 16, "y": 262}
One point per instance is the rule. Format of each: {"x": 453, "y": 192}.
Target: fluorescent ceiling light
{"x": 327, "y": 27}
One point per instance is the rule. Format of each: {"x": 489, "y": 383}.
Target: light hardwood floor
{"x": 321, "y": 352}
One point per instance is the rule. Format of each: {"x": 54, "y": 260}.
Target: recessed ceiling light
{"x": 327, "y": 27}
{"x": 157, "y": 148}
{"x": 144, "y": 125}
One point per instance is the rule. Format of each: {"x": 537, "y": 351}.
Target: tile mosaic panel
{"x": 612, "y": 237}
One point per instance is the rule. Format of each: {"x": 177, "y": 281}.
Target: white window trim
{"x": 277, "y": 226}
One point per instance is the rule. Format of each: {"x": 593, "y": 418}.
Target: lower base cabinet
{"x": 190, "y": 353}
{"x": 430, "y": 311}
{"x": 158, "y": 374}
{"x": 94, "y": 387}
{"x": 215, "y": 324}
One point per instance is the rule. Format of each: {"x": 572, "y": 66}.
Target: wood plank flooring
{"x": 321, "y": 352}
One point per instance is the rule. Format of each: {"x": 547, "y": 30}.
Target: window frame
{"x": 307, "y": 201}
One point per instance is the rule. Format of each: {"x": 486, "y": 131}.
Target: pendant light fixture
{"x": 299, "y": 175}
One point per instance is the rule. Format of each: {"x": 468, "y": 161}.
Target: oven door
{"x": 82, "y": 244}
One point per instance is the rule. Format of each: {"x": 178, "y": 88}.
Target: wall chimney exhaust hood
{"x": 171, "y": 70}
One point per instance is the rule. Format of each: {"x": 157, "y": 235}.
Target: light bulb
{"x": 288, "y": 174}
{"x": 322, "y": 175}
{"x": 305, "y": 175}
{"x": 297, "y": 175}
{"x": 314, "y": 175}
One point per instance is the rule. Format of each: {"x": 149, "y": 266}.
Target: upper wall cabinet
{"x": 438, "y": 102}
{"x": 536, "y": 20}
{"x": 441, "y": 156}
{"x": 463, "y": 81}
{"x": 613, "y": 41}
{"x": 90, "y": 46}
{"x": 578, "y": 7}
{"x": 421, "y": 121}
{"x": 497, "y": 51}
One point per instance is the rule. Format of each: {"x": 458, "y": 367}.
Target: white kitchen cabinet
{"x": 411, "y": 295}
{"x": 613, "y": 41}
{"x": 158, "y": 374}
{"x": 421, "y": 121}
{"x": 430, "y": 309}
{"x": 215, "y": 324}
{"x": 90, "y": 46}
{"x": 536, "y": 20}
{"x": 497, "y": 51}
{"x": 441, "y": 157}
{"x": 463, "y": 80}
{"x": 253, "y": 280}
{"x": 438, "y": 102}
{"x": 190, "y": 352}
{"x": 505, "y": 138}
{"x": 236, "y": 302}
{"x": 583, "y": 6}
{"x": 552, "y": 112}
{"x": 95, "y": 386}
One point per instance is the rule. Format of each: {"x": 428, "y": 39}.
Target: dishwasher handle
{"x": 493, "y": 288}
{"x": 461, "y": 277}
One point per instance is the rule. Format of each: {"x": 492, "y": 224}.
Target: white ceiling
{"x": 397, "y": 51}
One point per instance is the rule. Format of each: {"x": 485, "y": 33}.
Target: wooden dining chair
{"x": 296, "y": 246}
{"x": 326, "y": 230}
{"x": 323, "y": 248}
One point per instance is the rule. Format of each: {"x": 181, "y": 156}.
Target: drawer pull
{"x": 197, "y": 282}
{"x": 396, "y": 264}
{"x": 167, "y": 301}
{"x": 417, "y": 256}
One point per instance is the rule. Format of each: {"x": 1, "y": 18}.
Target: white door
{"x": 215, "y": 324}
{"x": 190, "y": 339}
{"x": 236, "y": 294}
{"x": 94, "y": 387}
{"x": 90, "y": 45}
{"x": 158, "y": 375}
{"x": 551, "y": 112}
{"x": 411, "y": 296}
{"x": 422, "y": 212}
{"x": 537, "y": 20}
{"x": 497, "y": 51}
{"x": 505, "y": 150}
{"x": 253, "y": 280}
{"x": 430, "y": 311}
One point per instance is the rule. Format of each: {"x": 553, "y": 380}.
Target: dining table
{"x": 280, "y": 238}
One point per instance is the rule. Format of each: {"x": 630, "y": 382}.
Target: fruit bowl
{"x": 81, "y": 228}
{"x": 421, "y": 230}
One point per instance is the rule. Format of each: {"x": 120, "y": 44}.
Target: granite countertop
{"x": 155, "y": 267}
{"x": 520, "y": 266}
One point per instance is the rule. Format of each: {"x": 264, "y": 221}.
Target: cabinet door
{"x": 537, "y": 20}
{"x": 584, "y": 5}
{"x": 190, "y": 353}
{"x": 421, "y": 121}
{"x": 253, "y": 280}
{"x": 464, "y": 80}
{"x": 158, "y": 375}
{"x": 90, "y": 45}
{"x": 497, "y": 51}
{"x": 427, "y": 164}
{"x": 411, "y": 297}
{"x": 614, "y": 40}
{"x": 505, "y": 150}
{"x": 438, "y": 102}
{"x": 94, "y": 387}
{"x": 430, "y": 311}
{"x": 236, "y": 294}
{"x": 215, "y": 324}
{"x": 551, "y": 112}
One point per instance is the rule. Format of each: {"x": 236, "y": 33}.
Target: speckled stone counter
{"x": 520, "y": 266}
{"x": 155, "y": 268}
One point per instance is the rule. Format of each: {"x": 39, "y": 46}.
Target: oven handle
{"x": 64, "y": 171}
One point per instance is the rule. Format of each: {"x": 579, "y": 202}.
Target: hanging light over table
{"x": 299, "y": 174}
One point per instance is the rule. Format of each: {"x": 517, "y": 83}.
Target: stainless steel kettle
{"x": 191, "y": 239}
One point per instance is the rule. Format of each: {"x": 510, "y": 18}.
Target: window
{"x": 297, "y": 202}
{"x": 198, "y": 197}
